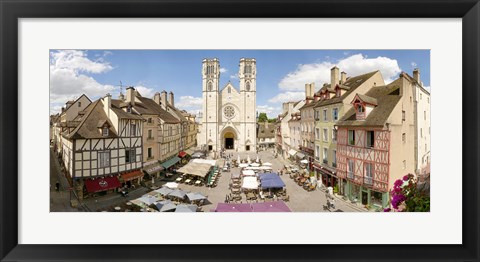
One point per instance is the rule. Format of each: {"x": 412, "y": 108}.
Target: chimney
{"x": 171, "y": 99}
{"x": 107, "y": 104}
{"x": 131, "y": 95}
{"x": 343, "y": 78}
{"x": 416, "y": 75}
{"x": 334, "y": 77}
{"x": 156, "y": 98}
{"x": 163, "y": 99}
{"x": 309, "y": 88}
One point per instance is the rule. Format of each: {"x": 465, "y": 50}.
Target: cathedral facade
{"x": 229, "y": 114}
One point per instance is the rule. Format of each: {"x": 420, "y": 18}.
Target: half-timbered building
{"x": 334, "y": 101}
{"x": 104, "y": 149}
{"x": 375, "y": 142}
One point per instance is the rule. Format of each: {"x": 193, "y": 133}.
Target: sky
{"x": 281, "y": 74}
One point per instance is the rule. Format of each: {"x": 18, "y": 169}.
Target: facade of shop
{"x": 105, "y": 144}
{"x": 376, "y": 142}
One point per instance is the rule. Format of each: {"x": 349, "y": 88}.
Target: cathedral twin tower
{"x": 229, "y": 115}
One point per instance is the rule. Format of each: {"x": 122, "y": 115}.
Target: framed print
{"x": 310, "y": 121}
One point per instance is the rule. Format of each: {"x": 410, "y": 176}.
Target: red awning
{"x": 182, "y": 154}
{"x": 101, "y": 184}
{"x": 132, "y": 175}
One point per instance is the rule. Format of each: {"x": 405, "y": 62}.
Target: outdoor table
{"x": 198, "y": 182}
{"x": 188, "y": 181}
{"x": 117, "y": 208}
{"x": 178, "y": 179}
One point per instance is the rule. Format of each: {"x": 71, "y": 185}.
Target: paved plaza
{"x": 300, "y": 199}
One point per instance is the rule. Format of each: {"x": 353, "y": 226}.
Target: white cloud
{"x": 272, "y": 112}
{"x": 223, "y": 70}
{"x": 287, "y": 97}
{"x": 189, "y": 103}
{"x": 413, "y": 64}
{"x": 234, "y": 76}
{"x": 353, "y": 65}
{"x": 428, "y": 88}
{"x": 145, "y": 91}
{"x": 67, "y": 78}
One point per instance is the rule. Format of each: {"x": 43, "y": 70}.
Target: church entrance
{"x": 229, "y": 140}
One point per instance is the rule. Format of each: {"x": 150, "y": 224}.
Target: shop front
{"x": 366, "y": 196}
{"x": 102, "y": 185}
{"x": 326, "y": 175}
{"x": 131, "y": 178}
{"x": 153, "y": 168}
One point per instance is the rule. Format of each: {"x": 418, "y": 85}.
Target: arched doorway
{"x": 229, "y": 140}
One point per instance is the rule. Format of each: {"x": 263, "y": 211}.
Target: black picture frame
{"x": 11, "y": 11}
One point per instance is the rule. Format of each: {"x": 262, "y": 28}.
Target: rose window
{"x": 229, "y": 111}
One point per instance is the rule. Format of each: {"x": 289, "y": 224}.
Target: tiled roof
{"x": 367, "y": 99}
{"x": 265, "y": 131}
{"x": 150, "y": 107}
{"x": 387, "y": 98}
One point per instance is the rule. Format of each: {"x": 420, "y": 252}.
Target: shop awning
{"x": 271, "y": 180}
{"x": 101, "y": 184}
{"x": 132, "y": 175}
{"x": 170, "y": 162}
{"x": 300, "y": 155}
{"x": 292, "y": 152}
{"x": 190, "y": 151}
{"x": 153, "y": 168}
{"x": 182, "y": 154}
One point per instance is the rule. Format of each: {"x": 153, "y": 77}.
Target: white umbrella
{"x": 304, "y": 161}
{"x": 248, "y": 159}
{"x": 243, "y": 165}
{"x": 255, "y": 164}
{"x": 267, "y": 164}
{"x": 171, "y": 185}
{"x": 238, "y": 159}
{"x": 153, "y": 181}
{"x": 257, "y": 160}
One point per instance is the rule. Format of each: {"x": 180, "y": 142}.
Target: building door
{"x": 229, "y": 140}
{"x": 364, "y": 198}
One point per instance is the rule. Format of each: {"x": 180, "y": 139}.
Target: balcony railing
{"x": 325, "y": 161}
{"x": 350, "y": 175}
{"x": 368, "y": 180}
{"x": 334, "y": 164}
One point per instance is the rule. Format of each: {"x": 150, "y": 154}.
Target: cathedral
{"x": 229, "y": 114}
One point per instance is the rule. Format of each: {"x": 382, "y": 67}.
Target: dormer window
{"x": 337, "y": 92}
{"x": 360, "y": 109}
{"x": 105, "y": 131}
{"x": 129, "y": 109}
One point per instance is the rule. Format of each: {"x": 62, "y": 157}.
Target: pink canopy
{"x": 224, "y": 207}
{"x": 276, "y": 206}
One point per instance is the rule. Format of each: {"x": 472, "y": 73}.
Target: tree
{"x": 262, "y": 117}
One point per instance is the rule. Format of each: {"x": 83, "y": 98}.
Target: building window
{"x": 325, "y": 115}
{"x": 79, "y": 104}
{"x": 150, "y": 134}
{"x": 325, "y": 155}
{"x": 420, "y": 96}
{"x": 133, "y": 128}
{"x": 129, "y": 155}
{"x": 368, "y": 173}
{"x": 351, "y": 137}
{"x": 129, "y": 109}
{"x": 371, "y": 139}
{"x": 335, "y": 114}
{"x": 334, "y": 134}
{"x": 149, "y": 120}
{"x": 334, "y": 158}
{"x": 247, "y": 148}
{"x": 103, "y": 159}
{"x": 325, "y": 135}
{"x": 424, "y": 115}
{"x": 317, "y": 152}
{"x": 404, "y": 137}
{"x": 169, "y": 130}
{"x": 350, "y": 168}
{"x": 360, "y": 109}
{"x": 105, "y": 131}
{"x": 247, "y": 86}
{"x": 317, "y": 133}
{"x": 337, "y": 93}
{"x": 210, "y": 86}
{"x": 149, "y": 153}
{"x": 403, "y": 115}
{"x": 229, "y": 90}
